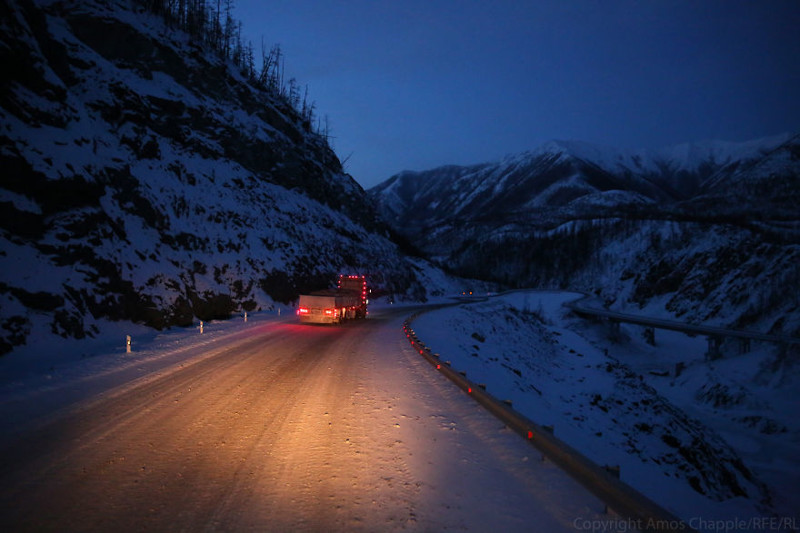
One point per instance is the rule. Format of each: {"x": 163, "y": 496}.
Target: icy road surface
{"x": 284, "y": 427}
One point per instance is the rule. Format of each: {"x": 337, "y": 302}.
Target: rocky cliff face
{"x": 705, "y": 232}
{"x": 144, "y": 178}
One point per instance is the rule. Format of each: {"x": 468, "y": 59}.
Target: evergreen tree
{"x": 213, "y": 25}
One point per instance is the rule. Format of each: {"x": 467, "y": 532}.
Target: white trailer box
{"x": 328, "y": 307}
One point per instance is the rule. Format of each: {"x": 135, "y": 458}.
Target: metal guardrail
{"x": 618, "y": 496}
{"x": 673, "y": 325}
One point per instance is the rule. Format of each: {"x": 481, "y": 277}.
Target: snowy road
{"x": 287, "y": 427}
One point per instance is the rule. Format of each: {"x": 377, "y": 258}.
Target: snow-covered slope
{"x": 145, "y": 178}
{"x": 712, "y": 439}
{"x": 707, "y": 231}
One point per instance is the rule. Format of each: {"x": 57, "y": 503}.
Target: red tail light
{"x": 302, "y": 311}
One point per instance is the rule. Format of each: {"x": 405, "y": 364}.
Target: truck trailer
{"x": 332, "y": 306}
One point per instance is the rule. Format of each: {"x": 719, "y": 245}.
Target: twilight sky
{"x": 415, "y": 84}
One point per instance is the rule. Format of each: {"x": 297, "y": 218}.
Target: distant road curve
{"x": 582, "y": 306}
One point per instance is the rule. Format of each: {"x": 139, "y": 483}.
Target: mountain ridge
{"x": 719, "y": 215}
{"x": 647, "y": 165}
{"x": 146, "y": 178}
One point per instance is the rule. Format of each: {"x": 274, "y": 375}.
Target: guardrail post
{"x": 615, "y": 330}
{"x": 614, "y": 471}
{"x": 201, "y": 326}
{"x": 650, "y": 336}
{"x": 549, "y": 428}
{"x": 245, "y": 316}
{"x": 714, "y": 351}
{"x": 744, "y": 345}
{"x": 127, "y": 344}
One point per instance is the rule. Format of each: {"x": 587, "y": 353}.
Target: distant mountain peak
{"x": 683, "y": 156}
{"x": 552, "y": 177}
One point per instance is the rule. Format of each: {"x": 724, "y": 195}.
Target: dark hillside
{"x": 154, "y": 174}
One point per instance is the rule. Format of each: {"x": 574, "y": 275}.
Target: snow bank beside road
{"x": 525, "y": 349}
{"x": 43, "y": 377}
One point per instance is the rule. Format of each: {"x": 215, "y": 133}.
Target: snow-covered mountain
{"x": 710, "y": 230}
{"x": 563, "y": 175}
{"x": 146, "y": 178}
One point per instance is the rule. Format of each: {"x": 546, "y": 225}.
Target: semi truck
{"x": 332, "y": 306}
